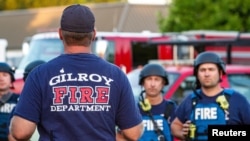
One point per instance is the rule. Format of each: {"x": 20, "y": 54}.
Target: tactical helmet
{"x": 4, "y": 67}
{"x": 209, "y": 57}
{"x": 153, "y": 69}
{"x": 30, "y": 67}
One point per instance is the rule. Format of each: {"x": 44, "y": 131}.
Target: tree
{"x": 206, "y": 15}
{"x": 26, "y": 4}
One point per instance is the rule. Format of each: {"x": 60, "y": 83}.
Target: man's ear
{"x": 221, "y": 75}
{"x": 94, "y": 35}
{"x": 60, "y": 33}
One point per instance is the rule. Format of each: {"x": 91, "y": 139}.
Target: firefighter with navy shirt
{"x": 8, "y": 99}
{"x": 155, "y": 110}
{"x": 209, "y": 103}
{"x": 76, "y": 96}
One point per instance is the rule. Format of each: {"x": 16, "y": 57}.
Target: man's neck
{"x": 4, "y": 92}
{"x": 212, "y": 91}
{"x": 155, "y": 100}
{"x": 77, "y": 49}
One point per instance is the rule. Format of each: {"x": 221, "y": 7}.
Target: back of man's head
{"x": 30, "y": 67}
{"x": 78, "y": 18}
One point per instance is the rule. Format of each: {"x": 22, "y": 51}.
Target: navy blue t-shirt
{"x": 78, "y": 97}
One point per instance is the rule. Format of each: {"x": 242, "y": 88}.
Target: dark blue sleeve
{"x": 128, "y": 114}
{"x": 239, "y": 109}
{"x": 30, "y": 97}
{"x": 183, "y": 111}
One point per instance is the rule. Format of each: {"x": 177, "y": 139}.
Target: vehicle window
{"x": 172, "y": 77}
{"x": 104, "y": 49}
{"x": 49, "y": 48}
{"x": 184, "y": 89}
{"x": 42, "y": 49}
{"x": 241, "y": 83}
{"x": 133, "y": 78}
{"x": 141, "y": 54}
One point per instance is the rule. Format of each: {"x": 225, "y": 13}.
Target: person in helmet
{"x": 30, "y": 67}
{"x": 155, "y": 110}
{"x": 209, "y": 57}
{"x": 209, "y": 103}
{"x": 27, "y": 70}
{"x": 8, "y": 99}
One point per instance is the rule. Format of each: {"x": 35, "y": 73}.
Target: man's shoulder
{"x": 170, "y": 101}
{"x": 229, "y": 91}
{"x": 237, "y": 96}
{"x": 170, "y": 104}
{"x": 14, "y": 97}
{"x": 169, "y": 108}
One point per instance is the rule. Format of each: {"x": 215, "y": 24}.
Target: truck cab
{"x": 126, "y": 50}
{"x": 42, "y": 46}
{"x": 130, "y": 50}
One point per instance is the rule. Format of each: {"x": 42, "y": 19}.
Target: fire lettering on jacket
{"x": 206, "y": 113}
{"x": 81, "y": 95}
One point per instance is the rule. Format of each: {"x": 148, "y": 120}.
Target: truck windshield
{"x": 48, "y": 48}
{"x": 42, "y": 49}
{"x": 105, "y": 49}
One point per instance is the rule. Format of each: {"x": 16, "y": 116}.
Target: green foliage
{"x": 26, "y": 4}
{"x": 207, "y": 15}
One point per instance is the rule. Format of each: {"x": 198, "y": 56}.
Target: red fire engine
{"x": 130, "y": 50}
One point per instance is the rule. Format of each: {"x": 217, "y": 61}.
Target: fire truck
{"x": 131, "y": 50}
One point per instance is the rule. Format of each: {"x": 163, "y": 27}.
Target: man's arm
{"x": 134, "y": 133}
{"x": 180, "y": 130}
{"x": 21, "y": 129}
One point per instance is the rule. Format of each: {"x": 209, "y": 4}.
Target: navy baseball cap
{"x": 77, "y": 18}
